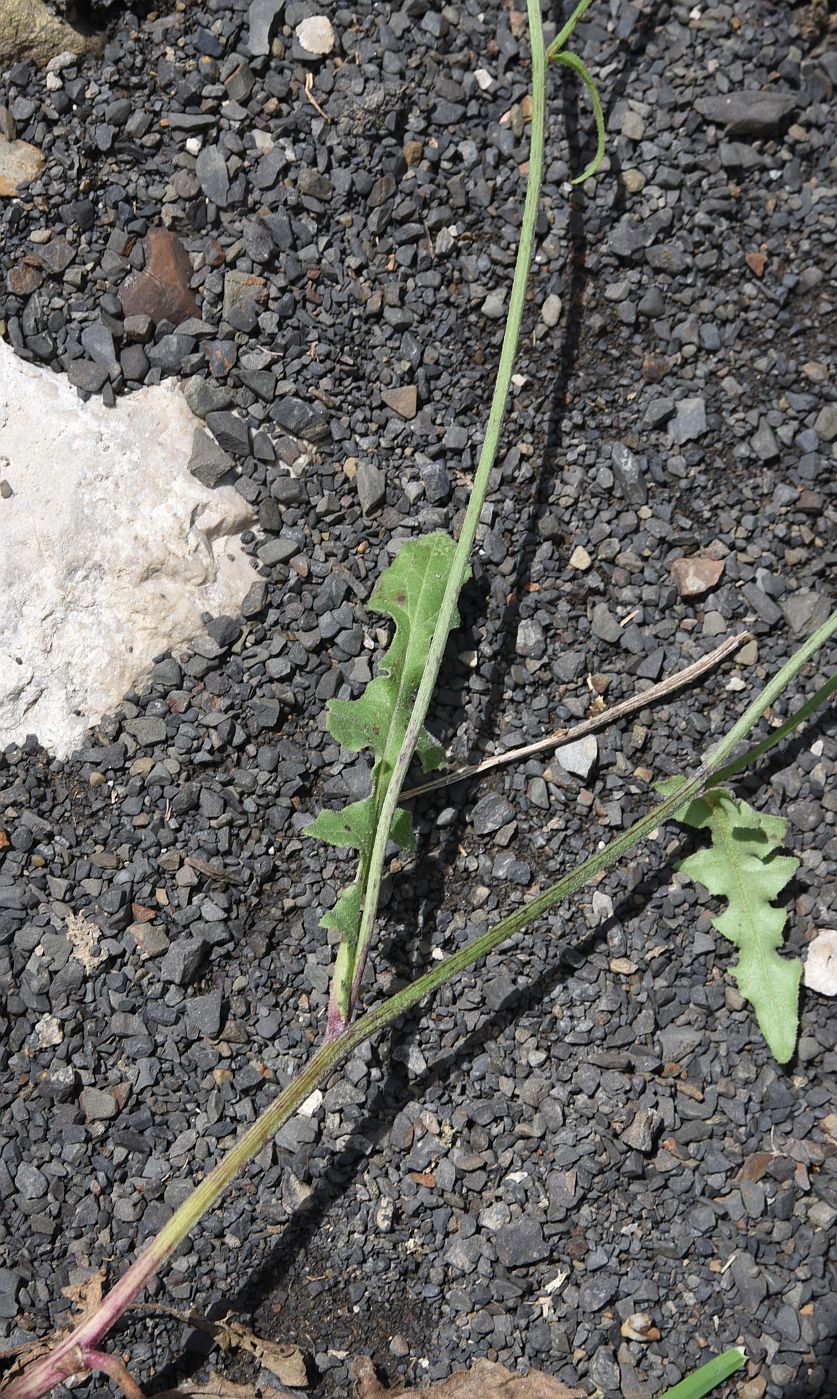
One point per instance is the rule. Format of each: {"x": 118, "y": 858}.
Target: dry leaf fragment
{"x": 87, "y": 1294}
{"x": 286, "y": 1362}
{"x": 484, "y": 1380}
{"x": 216, "y": 1387}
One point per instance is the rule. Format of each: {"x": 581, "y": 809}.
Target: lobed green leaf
{"x": 742, "y": 866}
{"x": 410, "y": 591}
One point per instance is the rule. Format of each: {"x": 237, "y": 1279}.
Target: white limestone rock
{"x": 316, "y": 35}
{"x": 821, "y": 963}
{"x": 110, "y": 551}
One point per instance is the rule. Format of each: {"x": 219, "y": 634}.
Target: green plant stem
{"x": 65, "y": 1357}
{"x": 758, "y": 751}
{"x": 479, "y": 490}
{"x": 563, "y": 35}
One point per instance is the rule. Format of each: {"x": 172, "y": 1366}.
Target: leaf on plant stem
{"x": 572, "y": 61}
{"x": 410, "y": 591}
{"x": 741, "y": 865}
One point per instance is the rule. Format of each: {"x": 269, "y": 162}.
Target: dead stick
{"x": 560, "y": 737}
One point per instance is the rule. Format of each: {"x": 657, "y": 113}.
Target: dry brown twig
{"x": 595, "y": 724}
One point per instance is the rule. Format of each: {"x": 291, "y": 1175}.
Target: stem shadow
{"x": 393, "y": 1093}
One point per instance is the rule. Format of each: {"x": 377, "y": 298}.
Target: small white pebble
{"x": 316, "y": 34}
{"x": 311, "y": 1104}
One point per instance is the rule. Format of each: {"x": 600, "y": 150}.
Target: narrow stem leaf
{"x": 753, "y": 754}
{"x": 561, "y": 38}
{"x": 410, "y": 592}
{"x": 572, "y": 61}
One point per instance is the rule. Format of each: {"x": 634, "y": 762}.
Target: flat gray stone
{"x": 31, "y": 1182}
{"x": 596, "y": 1291}
{"x": 579, "y": 758}
{"x": 490, "y": 813}
{"x": 183, "y": 961}
{"x": 763, "y": 442}
{"x": 264, "y": 17}
{"x": 521, "y": 1243}
{"x": 689, "y": 422}
{"x": 642, "y": 1131}
{"x": 629, "y": 474}
{"x": 204, "y": 1013}
{"x": 530, "y": 638}
{"x": 300, "y": 419}
{"x": 11, "y": 1282}
{"x": 825, "y": 424}
{"x": 753, "y": 113}
{"x": 213, "y": 176}
{"x": 604, "y": 625}
{"x": 371, "y": 487}
{"x": 208, "y": 462}
{"x": 147, "y": 730}
{"x": 97, "y": 1105}
{"x": 804, "y": 612}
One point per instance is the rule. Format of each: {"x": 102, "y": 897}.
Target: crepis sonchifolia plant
{"x": 420, "y": 592}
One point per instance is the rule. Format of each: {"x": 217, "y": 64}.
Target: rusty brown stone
{"x": 402, "y": 401}
{"x": 756, "y": 263}
{"x": 23, "y": 279}
{"x": 20, "y": 162}
{"x": 693, "y": 577}
{"x": 161, "y": 290}
{"x": 654, "y": 369}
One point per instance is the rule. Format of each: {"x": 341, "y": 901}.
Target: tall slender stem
{"x": 476, "y": 501}
{"x": 63, "y": 1358}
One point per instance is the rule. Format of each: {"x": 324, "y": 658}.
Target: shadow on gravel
{"x": 572, "y": 98}
{"x": 279, "y": 1269}
{"x": 393, "y": 1093}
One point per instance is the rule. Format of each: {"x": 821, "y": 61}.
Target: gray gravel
{"x": 590, "y": 1126}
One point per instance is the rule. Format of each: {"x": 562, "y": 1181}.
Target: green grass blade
{"x": 714, "y": 1372}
